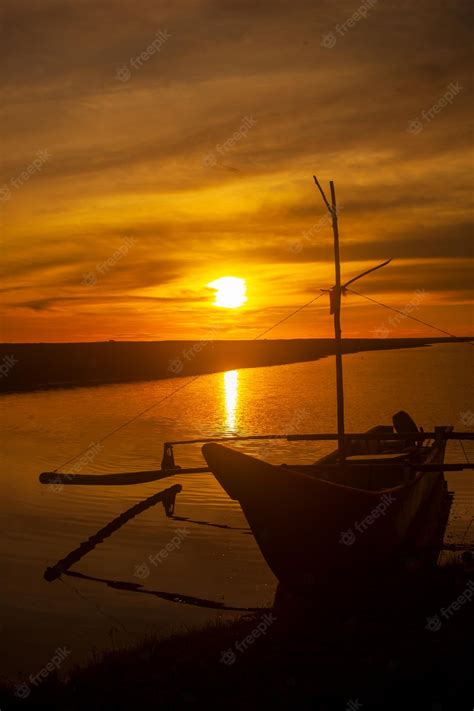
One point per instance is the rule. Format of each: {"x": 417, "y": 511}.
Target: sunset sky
{"x": 152, "y": 147}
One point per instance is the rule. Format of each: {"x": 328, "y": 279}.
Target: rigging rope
{"x": 124, "y": 424}
{"x": 465, "y": 454}
{"x": 467, "y": 529}
{"x": 403, "y": 313}
{"x": 300, "y": 308}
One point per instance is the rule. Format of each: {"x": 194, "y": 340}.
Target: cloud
{"x": 129, "y": 157}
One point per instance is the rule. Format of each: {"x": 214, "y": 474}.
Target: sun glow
{"x": 231, "y": 292}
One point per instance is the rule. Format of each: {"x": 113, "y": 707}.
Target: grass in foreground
{"x": 403, "y": 645}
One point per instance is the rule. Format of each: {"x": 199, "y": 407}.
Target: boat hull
{"x": 315, "y": 532}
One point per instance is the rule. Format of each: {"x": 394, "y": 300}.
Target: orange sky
{"x": 153, "y": 147}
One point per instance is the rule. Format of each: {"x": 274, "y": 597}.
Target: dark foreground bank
{"x": 407, "y": 644}
{"x": 31, "y": 366}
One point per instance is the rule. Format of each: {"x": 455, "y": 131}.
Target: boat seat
{"x": 371, "y": 446}
{"x": 372, "y": 473}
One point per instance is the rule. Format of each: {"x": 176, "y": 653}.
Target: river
{"x": 216, "y": 558}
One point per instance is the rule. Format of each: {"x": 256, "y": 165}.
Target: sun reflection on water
{"x": 231, "y": 392}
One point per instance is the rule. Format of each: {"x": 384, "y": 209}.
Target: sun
{"x": 231, "y": 292}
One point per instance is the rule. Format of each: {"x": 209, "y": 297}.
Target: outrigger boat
{"x": 321, "y": 522}
{"x": 380, "y": 498}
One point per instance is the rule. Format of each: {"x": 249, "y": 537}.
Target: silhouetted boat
{"x": 366, "y": 504}
{"x": 320, "y": 523}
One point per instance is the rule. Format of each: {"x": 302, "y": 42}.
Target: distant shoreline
{"x": 26, "y": 367}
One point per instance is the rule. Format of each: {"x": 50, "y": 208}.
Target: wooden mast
{"x": 335, "y": 296}
{"x": 336, "y": 308}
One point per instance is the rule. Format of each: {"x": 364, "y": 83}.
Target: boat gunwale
{"x": 436, "y": 448}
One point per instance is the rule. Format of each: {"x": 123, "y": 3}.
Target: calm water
{"x": 41, "y": 524}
